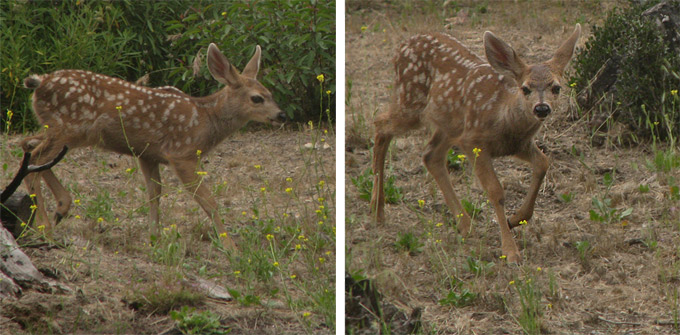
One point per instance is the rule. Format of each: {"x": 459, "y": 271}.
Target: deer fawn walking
{"x": 496, "y": 108}
{"x": 157, "y": 125}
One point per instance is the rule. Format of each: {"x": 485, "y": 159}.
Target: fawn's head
{"x": 539, "y": 84}
{"x": 246, "y": 95}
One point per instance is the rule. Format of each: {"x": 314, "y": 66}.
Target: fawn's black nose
{"x": 542, "y": 110}
{"x": 282, "y": 117}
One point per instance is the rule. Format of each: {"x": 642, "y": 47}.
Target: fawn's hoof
{"x": 512, "y": 225}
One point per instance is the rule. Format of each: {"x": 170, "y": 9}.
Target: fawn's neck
{"x": 222, "y": 114}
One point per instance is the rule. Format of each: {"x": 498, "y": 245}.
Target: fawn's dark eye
{"x": 526, "y": 90}
{"x": 556, "y": 89}
{"x": 258, "y": 99}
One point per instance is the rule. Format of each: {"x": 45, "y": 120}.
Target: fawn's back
{"x": 94, "y": 109}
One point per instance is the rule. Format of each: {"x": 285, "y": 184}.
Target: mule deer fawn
{"x": 156, "y": 125}
{"x": 485, "y": 110}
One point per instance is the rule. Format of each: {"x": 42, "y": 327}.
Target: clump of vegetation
{"x": 364, "y": 183}
{"x": 161, "y": 297}
{"x": 189, "y": 321}
{"x": 163, "y": 43}
{"x": 643, "y": 69}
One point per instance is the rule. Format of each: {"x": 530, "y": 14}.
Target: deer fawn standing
{"x": 495, "y": 107}
{"x": 156, "y": 125}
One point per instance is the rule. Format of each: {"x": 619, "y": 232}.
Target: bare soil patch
{"x": 591, "y": 277}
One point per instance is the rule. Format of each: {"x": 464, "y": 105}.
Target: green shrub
{"x": 112, "y": 38}
{"x": 649, "y": 70}
{"x": 130, "y": 39}
{"x": 297, "y": 39}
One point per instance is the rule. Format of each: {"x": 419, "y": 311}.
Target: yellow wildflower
{"x": 270, "y": 237}
{"x": 476, "y": 151}
{"x": 320, "y": 78}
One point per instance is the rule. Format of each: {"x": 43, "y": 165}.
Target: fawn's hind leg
{"x": 43, "y": 152}
{"x": 387, "y": 125}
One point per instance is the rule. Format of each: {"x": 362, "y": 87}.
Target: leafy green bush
{"x": 112, "y": 38}
{"x": 649, "y": 70}
{"x": 297, "y": 39}
{"x": 130, "y": 39}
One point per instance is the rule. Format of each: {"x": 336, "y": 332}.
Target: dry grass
{"x": 599, "y": 278}
{"x": 122, "y": 284}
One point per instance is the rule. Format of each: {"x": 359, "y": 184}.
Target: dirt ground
{"x": 114, "y": 274}
{"x": 587, "y": 277}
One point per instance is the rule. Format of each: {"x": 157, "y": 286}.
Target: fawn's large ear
{"x": 220, "y": 68}
{"x": 563, "y": 55}
{"x": 253, "y": 66}
{"x": 502, "y": 57}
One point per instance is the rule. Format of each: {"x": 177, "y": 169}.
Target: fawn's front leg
{"x": 152, "y": 176}
{"x": 186, "y": 171}
{"x": 494, "y": 189}
{"x": 539, "y": 163}
{"x": 435, "y": 162}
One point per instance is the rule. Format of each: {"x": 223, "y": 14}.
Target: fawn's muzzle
{"x": 542, "y": 110}
{"x": 281, "y": 117}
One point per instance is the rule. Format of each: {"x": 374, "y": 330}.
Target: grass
{"x": 280, "y": 211}
{"x": 570, "y": 262}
